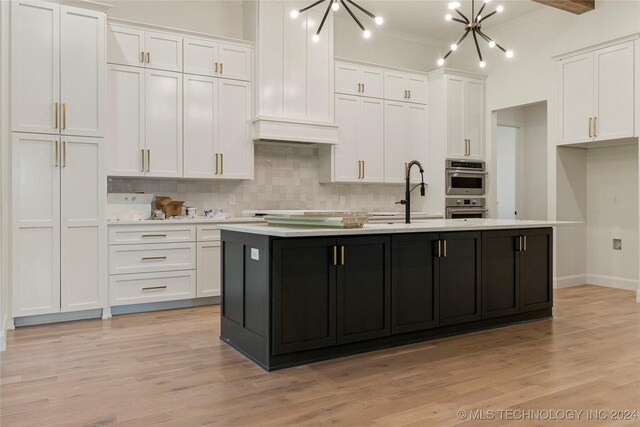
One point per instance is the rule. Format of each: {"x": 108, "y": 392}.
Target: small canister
{"x": 191, "y": 211}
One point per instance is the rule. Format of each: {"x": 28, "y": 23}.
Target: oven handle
{"x": 452, "y": 171}
{"x": 467, "y": 210}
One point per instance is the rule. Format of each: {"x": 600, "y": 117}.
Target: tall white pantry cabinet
{"x": 58, "y": 235}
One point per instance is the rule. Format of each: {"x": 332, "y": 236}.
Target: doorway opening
{"x": 506, "y": 171}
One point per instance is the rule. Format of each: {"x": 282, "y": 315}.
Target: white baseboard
{"x": 612, "y": 282}
{"x": 570, "y": 281}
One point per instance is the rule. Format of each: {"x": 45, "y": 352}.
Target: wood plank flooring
{"x": 170, "y": 369}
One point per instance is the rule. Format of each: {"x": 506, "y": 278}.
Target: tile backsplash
{"x": 286, "y": 177}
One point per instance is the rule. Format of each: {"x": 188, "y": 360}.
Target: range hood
{"x": 294, "y": 75}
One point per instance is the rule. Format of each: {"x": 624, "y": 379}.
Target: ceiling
{"x": 426, "y": 17}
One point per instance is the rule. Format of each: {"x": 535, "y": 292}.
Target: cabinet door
{"x": 418, "y": 89}
{"x": 418, "y": 138}
{"x": 234, "y": 62}
{"x": 346, "y": 151}
{"x": 613, "y": 113}
{"x": 200, "y": 126}
{"x": 500, "y": 273}
{"x": 125, "y": 121}
{"x": 414, "y": 283}
{"x": 35, "y": 233}
{"x": 371, "y": 139}
{"x": 372, "y": 80}
{"x": 163, "y": 130}
{"x": 304, "y": 295}
{"x": 455, "y": 117}
{"x": 460, "y": 278}
{"x": 208, "y": 272}
{"x": 395, "y": 141}
{"x": 200, "y": 57}
{"x": 234, "y": 142}
{"x": 576, "y": 98}
{"x": 83, "y": 225}
{"x": 82, "y": 65}
{"x": 347, "y": 79}
{"x": 35, "y": 66}
{"x": 536, "y": 270}
{"x": 125, "y": 46}
{"x": 164, "y": 51}
{"x": 364, "y": 291}
{"x": 474, "y": 117}
{"x": 395, "y": 86}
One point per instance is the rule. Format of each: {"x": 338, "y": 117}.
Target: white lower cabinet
{"x": 152, "y": 287}
{"x": 58, "y": 227}
{"x": 209, "y": 271}
{"x": 405, "y": 139}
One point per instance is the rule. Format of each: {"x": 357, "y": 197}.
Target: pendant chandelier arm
{"x": 487, "y": 17}
{"x": 304, "y": 9}
{"x": 459, "y": 20}
{"x": 466, "y": 21}
{"x": 371, "y": 15}
{"x": 324, "y": 18}
{"x": 355, "y": 18}
{"x": 480, "y": 12}
{"x": 488, "y": 39}
{"x": 475, "y": 39}
{"x": 466, "y": 33}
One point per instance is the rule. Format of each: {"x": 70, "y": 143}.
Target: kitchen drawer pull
{"x": 154, "y": 258}
{"x": 154, "y": 288}
{"x": 146, "y": 236}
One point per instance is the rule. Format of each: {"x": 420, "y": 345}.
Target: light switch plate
{"x": 255, "y": 254}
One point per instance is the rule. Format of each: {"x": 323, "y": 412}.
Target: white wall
{"x": 529, "y": 77}
{"x": 5, "y": 295}
{"x": 219, "y": 17}
{"x": 612, "y": 212}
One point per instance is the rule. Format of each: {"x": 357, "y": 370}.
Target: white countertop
{"x": 189, "y": 221}
{"x": 417, "y": 226}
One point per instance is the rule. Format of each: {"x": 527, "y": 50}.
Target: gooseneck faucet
{"x": 407, "y": 196}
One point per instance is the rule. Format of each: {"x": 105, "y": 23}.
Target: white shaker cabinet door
{"x": 200, "y": 126}
{"x": 35, "y": 206}
{"x": 614, "y": 94}
{"x": 474, "y": 120}
{"x": 576, "y": 98}
{"x": 125, "y": 121}
{"x": 418, "y": 89}
{"x": 163, "y": 131}
{"x": 371, "y": 139}
{"x": 234, "y": 62}
{"x": 83, "y": 224}
{"x": 418, "y": 138}
{"x": 235, "y": 146}
{"x": 82, "y": 65}
{"x": 347, "y": 79}
{"x": 200, "y": 57}
{"x": 346, "y": 162}
{"x": 208, "y": 275}
{"x": 125, "y": 46}
{"x": 372, "y": 80}
{"x": 395, "y": 141}
{"x": 35, "y": 67}
{"x": 395, "y": 86}
{"x": 163, "y": 51}
{"x": 456, "y": 144}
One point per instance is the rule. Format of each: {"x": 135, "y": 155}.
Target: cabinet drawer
{"x": 152, "y": 287}
{"x": 150, "y": 258}
{"x": 126, "y": 235}
{"x": 207, "y": 233}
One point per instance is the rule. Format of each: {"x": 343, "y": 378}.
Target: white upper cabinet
{"x": 134, "y": 46}
{"x": 234, "y": 62}
{"x": 399, "y": 86}
{"x": 58, "y": 69}
{"x": 464, "y": 117}
{"x": 209, "y": 58}
{"x": 347, "y": 166}
{"x": 596, "y": 95}
{"x": 234, "y": 142}
{"x": 405, "y": 139}
{"x": 359, "y": 80}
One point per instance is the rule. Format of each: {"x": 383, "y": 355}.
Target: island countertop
{"x": 417, "y": 226}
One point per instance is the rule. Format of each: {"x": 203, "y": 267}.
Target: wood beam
{"x": 574, "y": 6}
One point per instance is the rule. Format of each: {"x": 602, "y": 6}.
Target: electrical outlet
{"x": 343, "y": 200}
{"x": 232, "y": 199}
{"x": 617, "y": 244}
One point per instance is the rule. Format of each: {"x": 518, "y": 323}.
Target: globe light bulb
{"x": 492, "y": 44}
{"x": 454, "y": 5}
{"x": 315, "y": 38}
{"x": 379, "y": 20}
{"x": 335, "y": 6}
{"x": 509, "y": 54}
{"x": 482, "y": 64}
{"x": 440, "y": 61}
{"x": 366, "y": 34}
{"x": 448, "y": 17}
{"x": 294, "y": 14}
{"x": 454, "y": 46}
{"x": 500, "y": 8}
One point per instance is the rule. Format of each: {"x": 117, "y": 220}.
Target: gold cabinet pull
{"x": 57, "y": 153}
{"x": 216, "y": 67}
{"x": 525, "y": 242}
{"x": 146, "y": 236}
{"x": 362, "y": 87}
{"x": 221, "y": 163}
{"x": 64, "y": 115}
{"x": 590, "y": 127}
{"x": 409, "y": 94}
{"x": 55, "y": 112}
{"x": 335, "y": 256}
{"x": 142, "y": 160}
{"x": 64, "y": 154}
{"x": 148, "y": 160}
{"x": 142, "y": 57}
{"x": 221, "y": 64}
{"x": 595, "y": 127}
{"x": 341, "y": 255}
{"x": 148, "y": 57}
{"x": 444, "y": 248}
{"x": 359, "y": 169}
{"x": 439, "y": 249}
{"x": 154, "y": 288}
{"x": 154, "y": 258}
{"x": 363, "y": 173}
{"x": 216, "y": 163}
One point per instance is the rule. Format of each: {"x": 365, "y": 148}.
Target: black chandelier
{"x": 475, "y": 27}
{"x": 335, "y": 6}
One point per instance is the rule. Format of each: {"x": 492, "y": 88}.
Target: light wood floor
{"x": 170, "y": 369}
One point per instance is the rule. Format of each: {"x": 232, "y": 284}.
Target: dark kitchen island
{"x": 292, "y": 296}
